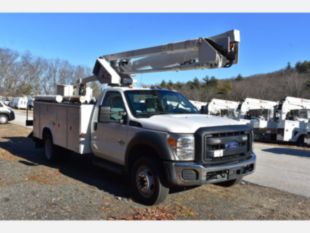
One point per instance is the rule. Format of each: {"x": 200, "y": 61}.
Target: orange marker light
{"x": 172, "y": 142}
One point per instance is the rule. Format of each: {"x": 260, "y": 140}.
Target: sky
{"x": 268, "y": 41}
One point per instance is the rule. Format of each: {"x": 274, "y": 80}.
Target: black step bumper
{"x": 192, "y": 174}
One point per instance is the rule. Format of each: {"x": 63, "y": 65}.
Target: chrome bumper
{"x": 191, "y": 174}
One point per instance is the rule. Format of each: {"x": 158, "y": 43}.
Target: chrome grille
{"x": 226, "y": 146}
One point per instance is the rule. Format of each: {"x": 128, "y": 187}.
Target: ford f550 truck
{"x": 155, "y": 136}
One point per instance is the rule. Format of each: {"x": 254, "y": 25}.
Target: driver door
{"x": 111, "y": 136}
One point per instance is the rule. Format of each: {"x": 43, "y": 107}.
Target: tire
{"x": 301, "y": 141}
{"x": 229, "y": 183}
{"x": 146, "y": 181}
{"x": 50, "y": 150}
{"x": 4, "y": 119}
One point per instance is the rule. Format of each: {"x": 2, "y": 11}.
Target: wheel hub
{"x": 145, "y": 181}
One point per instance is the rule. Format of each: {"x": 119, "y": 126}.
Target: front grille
{"x": 222, "y": 146}
{"x": 225, "y": 144}
{"x": 227, "y": 134}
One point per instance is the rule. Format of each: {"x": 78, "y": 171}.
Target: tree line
{"x": 25, "y": 74}
{"x": 289, "y": 81}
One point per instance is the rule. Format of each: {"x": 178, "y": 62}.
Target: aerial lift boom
{"x": 202, "y": 53}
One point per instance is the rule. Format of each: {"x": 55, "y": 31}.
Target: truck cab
{"x": 137, "y": 127}
{"x": 223, "y": 108}
{"x": 258, "y": 113}
{"x": 292, "y": 119}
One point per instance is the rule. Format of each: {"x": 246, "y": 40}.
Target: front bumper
{"x": 192, "y": 174}
{"x": 11, "y": 116}
{"x": 265, "y": 134}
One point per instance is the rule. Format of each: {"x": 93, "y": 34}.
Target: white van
{"x": 20, "y": 102}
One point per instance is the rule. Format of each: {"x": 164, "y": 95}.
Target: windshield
{"x": 262, "y": 114}
{"x": 298, "y": 114}
{"x": 230, "y": 113}
{"x": 146, "y": 103}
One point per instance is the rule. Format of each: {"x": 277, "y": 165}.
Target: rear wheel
{"x": 3, "y": 119}
{"x": 50, "y": 150}
{"x": 146, "y": 181}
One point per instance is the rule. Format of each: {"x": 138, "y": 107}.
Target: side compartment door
{"x": 110, "y": 139}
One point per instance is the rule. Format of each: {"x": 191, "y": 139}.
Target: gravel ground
{"x": 30, "y": 189}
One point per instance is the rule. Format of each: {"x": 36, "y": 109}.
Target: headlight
{"x": 183, "y": 147}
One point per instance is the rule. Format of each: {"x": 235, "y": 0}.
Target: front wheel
{"x": 3, "y": 119}
{"x": 301, "y": 141}
{"x": 146, "y": 181}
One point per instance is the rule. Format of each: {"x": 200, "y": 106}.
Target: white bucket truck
{"x": 201, "y": 106}
{"x": 292, "y": 119}
{"x": 155, "y": 136}
{"x": 258, "y": 113}
{"x": 223, "y": 108}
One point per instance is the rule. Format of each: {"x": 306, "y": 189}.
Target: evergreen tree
{"x": 196, "y": 83}
{"x": 170, "y": 85}
{"x": 302, "y": 67}
{"x": 213, "y": 82}
{"x": 163, "y": 84}
{"x": 288, "y": 67}
{"x": 239, "y": 77}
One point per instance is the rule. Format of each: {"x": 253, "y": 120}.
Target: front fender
{"x": 157, "y": 141}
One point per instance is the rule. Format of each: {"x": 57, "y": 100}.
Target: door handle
{"x": 95, "y": 125}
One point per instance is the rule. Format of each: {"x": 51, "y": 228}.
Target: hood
{"x": 185, "y": 123}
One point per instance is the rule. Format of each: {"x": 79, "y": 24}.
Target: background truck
{"x": 6, "y": 113}
{"x": 307, "y": 136}
{"x": 201, "y": 106}
{"x": 290, "y": 121}
{"x": 155, "y": 136}
{"x": 224, "y": 108}
{"x": 258, "y": 113}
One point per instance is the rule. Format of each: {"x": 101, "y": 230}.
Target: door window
{"x": 113, "y": 100}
